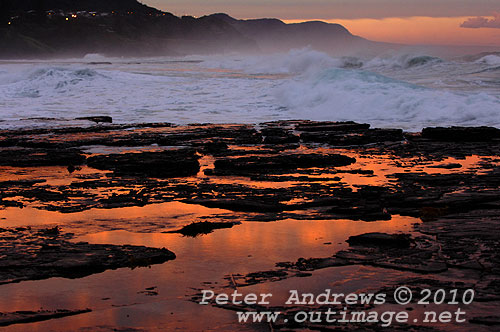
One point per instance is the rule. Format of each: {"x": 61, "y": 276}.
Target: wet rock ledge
{"x": 272, "y": 171}
{"x": 31, "y": 254}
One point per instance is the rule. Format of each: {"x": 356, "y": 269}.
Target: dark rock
{"x": 461, "y": 134}
{"x": 50, "y": 254}
{"x": 362, "y": 137}
{"x": 23, "y": 317}
{"x": 9, "y": 203}
{"x": 429, "y": 213}
{"x": 380, "y": 240}
{"x": 97, "y": 119}
{"x": 214, "y": 147}
{"x": 311, "y": 264}
{"x": 200, "y": 228}
{"x": 164, "y": 164}
{"x": 447, "y": 166}
{"x": 40, "y": 157}
{"x": 274, "y": 135}
{"x": 54, "y": 231}
{"x": 21, "y": 183}
{"x": 362, "y": 212}
{"x": 486, "y": 320}
{"x": 263, "y": 164}
{"x": 288, "y": 139}
{"x": 256, "y": 278}
{"x": 397, "y": 251}
{"x": 150, "y": 291}
{"x": 325, "y": 126}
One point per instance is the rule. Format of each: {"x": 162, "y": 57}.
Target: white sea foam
{"x": 403, "y": 61}
{"x": 95, "y": 57}
{"x": 340, "y": 94}
{"x": 490, "y": 60}
{"x": 410, "y": 91}
{"x": 295, "y": 62}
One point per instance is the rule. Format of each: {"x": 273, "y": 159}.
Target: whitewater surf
{"x": 409, "y": 91}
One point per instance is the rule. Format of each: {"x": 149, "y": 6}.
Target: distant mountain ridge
{"x": 272, "y": 34}
{"x": 44, "y": 28}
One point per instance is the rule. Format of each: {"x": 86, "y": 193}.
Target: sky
{"x": 438, "y": 22}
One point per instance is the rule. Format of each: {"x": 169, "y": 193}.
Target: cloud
{"x": 483, "y": 22}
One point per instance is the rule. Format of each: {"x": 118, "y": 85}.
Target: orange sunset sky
{"x": 435, "y": 22}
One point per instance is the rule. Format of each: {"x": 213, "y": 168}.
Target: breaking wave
{"x": 403, "y": 61}
{"x": 307, "y": 60}
{"x": 358, "y": 95}
{"x": 51, "y": 81}
{"x": 408, "y": 91}
{"x": 491, "y": 60}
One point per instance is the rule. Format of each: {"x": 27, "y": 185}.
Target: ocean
{"x": 408, "y": 91}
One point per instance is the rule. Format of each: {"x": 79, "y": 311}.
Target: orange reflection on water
{"x": 174, "y": 214}
{"x": 53, "y": 175}
{"x": 249, "y": 247}
{"x": 268, "y": 242}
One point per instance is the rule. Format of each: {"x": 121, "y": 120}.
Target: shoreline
{"x": 418, "y": 197}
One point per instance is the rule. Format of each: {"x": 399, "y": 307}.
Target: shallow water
{"x": 201, "y": 261}
{"x": 117, "y": 297}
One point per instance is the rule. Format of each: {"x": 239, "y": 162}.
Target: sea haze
{"x": 407, "y": 91}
